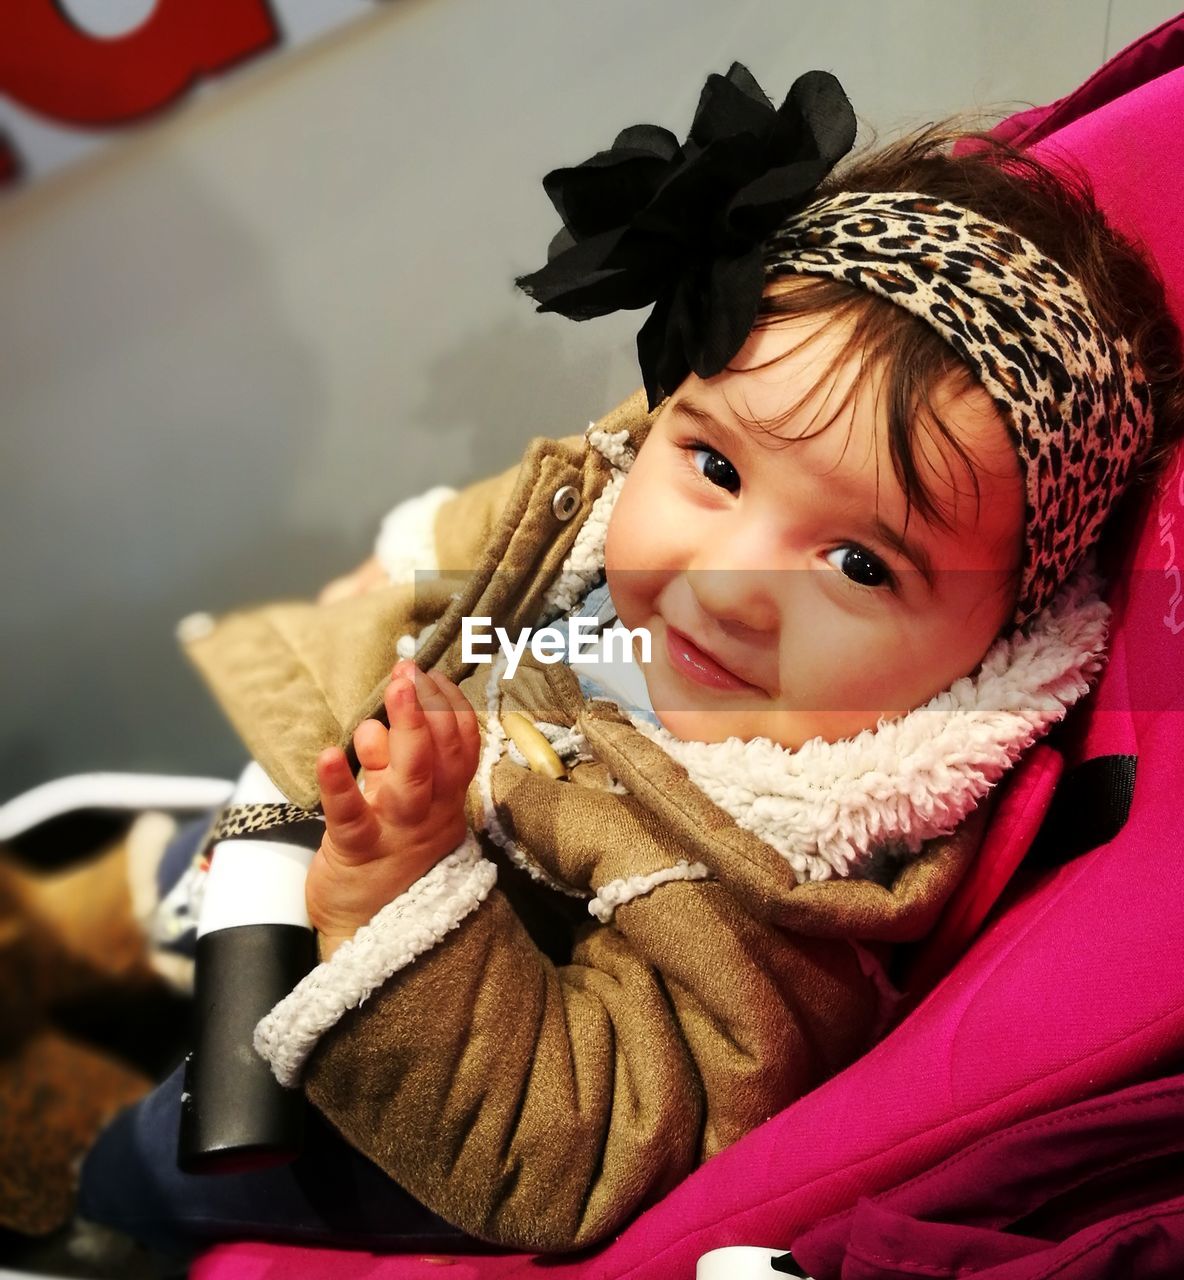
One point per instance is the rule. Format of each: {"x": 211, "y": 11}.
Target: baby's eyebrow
{"x": 912, "y": 551}
{"x": 705, "y": 418}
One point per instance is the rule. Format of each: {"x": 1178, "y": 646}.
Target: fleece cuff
{"x": 406, "y": 542}
{"x": 403, "y": 930}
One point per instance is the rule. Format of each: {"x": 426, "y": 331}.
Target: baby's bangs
{"x": 910, "y": 362}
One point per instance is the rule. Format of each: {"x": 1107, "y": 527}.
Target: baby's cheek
{"x": 630, "y": 601}
{"x": 625, "y": 556}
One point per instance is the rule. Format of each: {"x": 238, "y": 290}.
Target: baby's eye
{"x": 860, "y": 565}
{"x": 714, "y": 467}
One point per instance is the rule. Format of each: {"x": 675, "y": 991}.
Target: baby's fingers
{"x": 350, "y": 824}
{"x": 464, "y": 740}
{"x": 442, "y": 723}
{"x": 370, "y": 745}
{"x": 407, "y": 789}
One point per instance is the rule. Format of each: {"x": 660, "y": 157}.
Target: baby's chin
{"x": 693, "y": 723}
{"x": 676, "y": 724}
{"x": 720, "y": 715}
{"x": 791, "y": 730}
{"x": 711, "y": 725}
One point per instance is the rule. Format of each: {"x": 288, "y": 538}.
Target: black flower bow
{"x": 681, "y": 227}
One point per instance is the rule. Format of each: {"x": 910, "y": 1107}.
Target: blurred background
{"x": 236, "y": 328}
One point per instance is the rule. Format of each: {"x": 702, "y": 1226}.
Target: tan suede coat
{"x": 538, "y": 1077}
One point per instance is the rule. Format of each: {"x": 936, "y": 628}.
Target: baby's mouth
{"x": 701, "y": 667}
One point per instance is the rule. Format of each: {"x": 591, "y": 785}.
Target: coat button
{"x": 566, "y": 502}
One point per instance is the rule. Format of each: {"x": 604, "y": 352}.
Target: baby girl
{"x": 576, "y": 938}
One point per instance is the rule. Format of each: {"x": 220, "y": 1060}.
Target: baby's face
{"x": 784, "y": 595}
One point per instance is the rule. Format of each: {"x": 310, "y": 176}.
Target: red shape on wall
{"x": 48, "y": 65}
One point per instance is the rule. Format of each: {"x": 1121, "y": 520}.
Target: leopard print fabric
{"x": 1076, "y": 403}
{"x": 258, "y": 819}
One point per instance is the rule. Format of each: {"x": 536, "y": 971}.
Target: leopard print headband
{"x": 1076, "y": 402}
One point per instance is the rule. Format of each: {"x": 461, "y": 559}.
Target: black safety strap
{"x": 1091, "y": 806}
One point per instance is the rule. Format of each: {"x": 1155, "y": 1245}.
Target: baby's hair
{"x": 1057, "y": 212}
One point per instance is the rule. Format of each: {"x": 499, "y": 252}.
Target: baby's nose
{"x": 739, "y": 599}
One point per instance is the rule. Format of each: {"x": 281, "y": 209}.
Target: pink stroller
{"x": 1024, "y": 1119}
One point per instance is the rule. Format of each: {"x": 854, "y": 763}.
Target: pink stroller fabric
{"x": 1093, "y": 1189}
{"x": 1072, "y": 991}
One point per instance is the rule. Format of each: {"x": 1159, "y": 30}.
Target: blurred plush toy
{"x": 76, "y": 989}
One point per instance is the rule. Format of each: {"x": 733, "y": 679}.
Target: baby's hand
{"x": 366, "y": 577}
{"x": 378, "y": 844}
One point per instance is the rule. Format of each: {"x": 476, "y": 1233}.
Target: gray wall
{"x": 228, "y": 345}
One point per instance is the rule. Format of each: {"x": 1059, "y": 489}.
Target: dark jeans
{"x": 331, "y": 1195}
